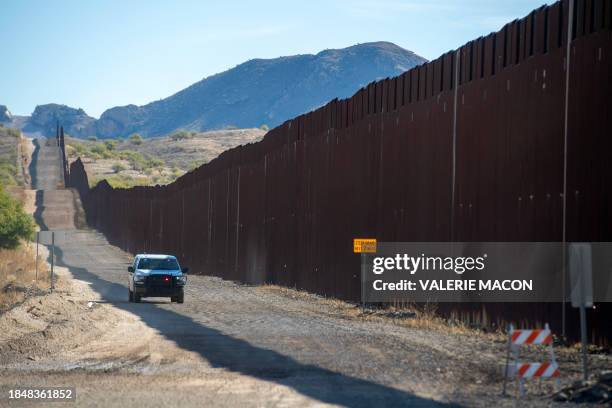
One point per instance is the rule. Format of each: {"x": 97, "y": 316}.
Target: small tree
{"x": 110, "y": 144}
{"x": 180, "y": 135}
{"x": 15, "y": 224}
{"x": 264, "y": 127}
{"x": 118, "y": 167}
{"x": 135, "y": 139}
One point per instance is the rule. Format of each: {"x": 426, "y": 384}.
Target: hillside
{"x": 135, "y": 161}
{"x": 257, "y": 92}
{"x": 14, "y": 157}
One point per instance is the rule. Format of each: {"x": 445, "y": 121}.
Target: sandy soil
{"x": 237, "y": 345}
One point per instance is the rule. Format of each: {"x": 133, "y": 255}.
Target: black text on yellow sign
{"x": 364, "y": 245}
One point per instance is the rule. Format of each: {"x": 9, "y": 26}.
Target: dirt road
{"x": 227, "y": 345}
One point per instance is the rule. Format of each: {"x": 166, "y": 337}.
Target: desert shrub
{"x": 155, "y": 162}
{"x": 98, "y": 148}
{"x": 121, "y": 181}
{"x": 197, "y": 163}
{"x": 110, "y": 144}
{"x": 79, "y": 149}
{"x": 264, "y": 127}
{"x": 118, "y": 167}
{"x": 99, "y": 151}
{"x": 91, "y": 138}
{"x": 135, "y": 139}
{"x": 8, "y": 173}
{"x": 181, "y": 135}
{"x": 15, "y": 224}
{"x": 13, "y": 132}
{"x": 176, "y": 172}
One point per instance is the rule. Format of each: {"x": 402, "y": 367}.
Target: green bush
{"x": 264, "y": 127}
{"x": 135, "y": 139}
{"x": 181, "y": 135}
{"x": 98, "y": 148}
{"x": 15, "y": 224}
{"x": 197, "y": 163}
{"x": 110, "y": 144}
{"x": 118, "y": 167}
{"x": 13, "y": 132}
{"x": 8, "y": 173}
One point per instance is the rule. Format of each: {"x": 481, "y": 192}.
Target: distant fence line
{"x": 469, "y": 147}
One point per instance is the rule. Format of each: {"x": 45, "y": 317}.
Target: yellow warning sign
{"x": 364, "y": 245}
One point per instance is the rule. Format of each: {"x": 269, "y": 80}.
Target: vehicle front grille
{"x": 160, "y": 280}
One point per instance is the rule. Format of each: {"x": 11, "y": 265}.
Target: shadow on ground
{"x": 237, "y": 355}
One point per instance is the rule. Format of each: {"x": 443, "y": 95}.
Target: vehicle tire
{"x": 131, "y": 296}
{"x": 181, "y": 297}
{"x": 137, "y": 298}
{"x": 173, "y": 299}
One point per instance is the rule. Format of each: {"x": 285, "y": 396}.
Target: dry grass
{"x": 18, "y": 274}
{"x": 417, "y": 316}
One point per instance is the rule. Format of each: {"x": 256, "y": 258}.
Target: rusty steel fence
{"x": 473, "y": 146}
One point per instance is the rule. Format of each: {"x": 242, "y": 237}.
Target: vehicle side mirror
{"x": 130, "y": 269}
{"x": 185, "y": 270}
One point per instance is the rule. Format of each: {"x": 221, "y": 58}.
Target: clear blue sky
{"x": 97, "y": 54}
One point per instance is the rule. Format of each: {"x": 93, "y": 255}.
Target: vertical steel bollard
{"x": 52, "y": 258}
{"x": 37, "y": 241}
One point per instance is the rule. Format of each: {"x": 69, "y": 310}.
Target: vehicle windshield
{"x": 164, "y": 264}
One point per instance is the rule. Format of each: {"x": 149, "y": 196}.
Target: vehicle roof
{"x": 155, "y": 256}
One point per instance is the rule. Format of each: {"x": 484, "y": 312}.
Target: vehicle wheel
{"x": 181, "y": 297}
{"x": 173, "y": 299}
{"x": 131, "y": 296}
{"x": 137, "y": 298}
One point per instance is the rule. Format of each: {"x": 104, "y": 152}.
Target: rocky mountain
{"x": 75, "y": 121}
{"x": 257, "y": 92}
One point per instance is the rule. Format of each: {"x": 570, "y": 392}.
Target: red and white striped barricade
{"x": 521, "y": 370}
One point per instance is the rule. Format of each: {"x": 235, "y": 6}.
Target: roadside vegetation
{"x": 15, "y": 224}
{"x": 10, "y": 174}
{"x": 17, "y": 227}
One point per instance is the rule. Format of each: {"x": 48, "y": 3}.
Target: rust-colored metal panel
{"x": 414, "y": 85}
{"x": 540, "y": 31}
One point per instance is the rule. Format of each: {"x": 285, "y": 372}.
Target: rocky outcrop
{"x": 75, "y": 121}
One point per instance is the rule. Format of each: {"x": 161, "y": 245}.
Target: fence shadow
{"x": 224, "y": 351}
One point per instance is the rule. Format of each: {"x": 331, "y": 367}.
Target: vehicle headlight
{"x": 181, "y": 280}
{"x": 139, "y": 278}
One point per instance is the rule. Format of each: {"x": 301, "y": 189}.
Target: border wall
{"x": 473, "y": 146}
